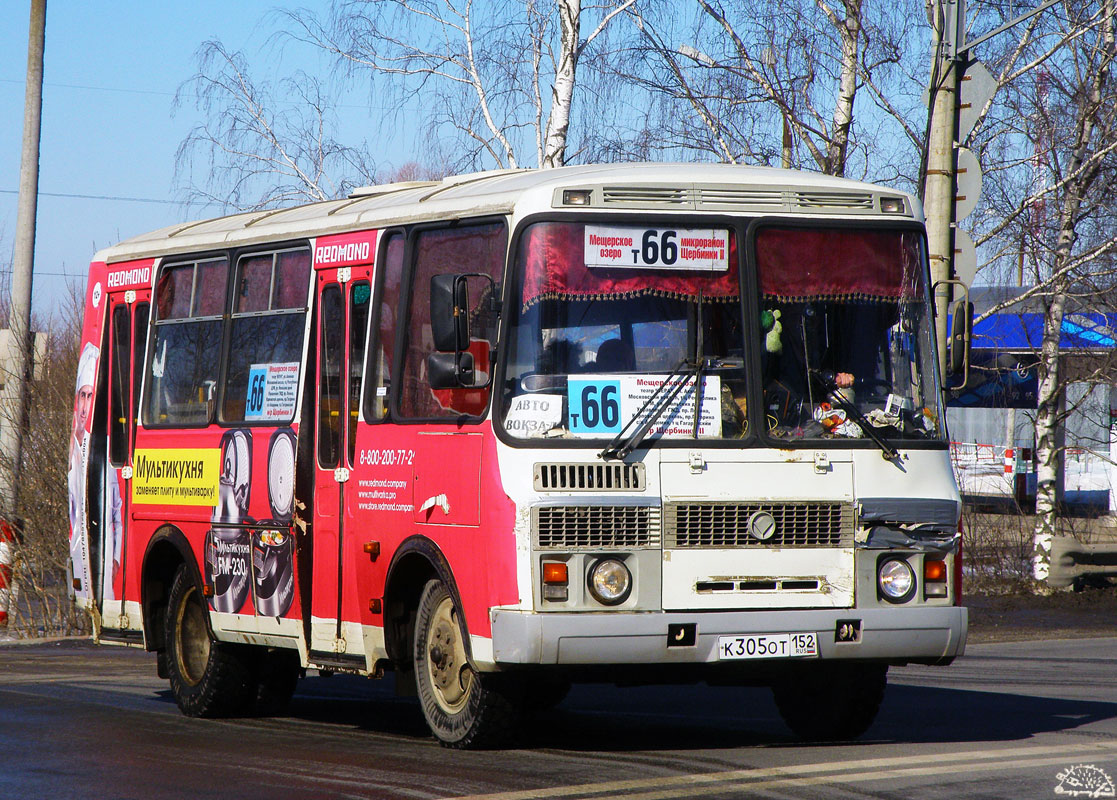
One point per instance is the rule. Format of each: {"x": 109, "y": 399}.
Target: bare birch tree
{"x": 1051, "y": 150}
{"x": 498, "y": 80}
{"x": 262, "y": 145}
{"x": 41, "y": 603}
{"x": 773, "y": 83}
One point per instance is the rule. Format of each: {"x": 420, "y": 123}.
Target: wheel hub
{"x": 451, "y": 676}
{"x": 193, "y": 640}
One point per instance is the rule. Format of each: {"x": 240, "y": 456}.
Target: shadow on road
{"x": 603, "y": 718}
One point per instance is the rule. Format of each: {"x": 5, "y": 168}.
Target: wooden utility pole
{"x": 18, "y": 362}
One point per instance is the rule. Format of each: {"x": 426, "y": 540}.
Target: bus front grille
{"x": 798, "y": 524}
{"x": 582, "y": 477}
{"x": 567, "y": 527}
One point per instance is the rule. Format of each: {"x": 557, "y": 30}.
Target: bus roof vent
{"x": 647, "y": 196}
{"x": 832, "y": 201}
{"x": 388, "y": 188}
{"x": 589, "y": 478}
{"x": 736, "y": 198}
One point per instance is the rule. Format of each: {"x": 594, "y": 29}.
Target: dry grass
{"x": 998, "y": 548}
{"x": 43, "y": 606}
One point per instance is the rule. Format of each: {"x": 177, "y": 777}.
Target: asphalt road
{"x": 1010, "y": 720}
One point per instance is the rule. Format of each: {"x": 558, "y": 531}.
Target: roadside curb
{"x": 9, "y": 640}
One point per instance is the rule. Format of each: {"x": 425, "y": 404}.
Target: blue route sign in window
{"x": 595, "y": 406}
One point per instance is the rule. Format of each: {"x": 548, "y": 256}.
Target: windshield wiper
{"x": 660, "y": 400}
{"x": 890, "y": 452}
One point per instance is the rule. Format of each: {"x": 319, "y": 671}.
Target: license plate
{"x": 767, "y": 645}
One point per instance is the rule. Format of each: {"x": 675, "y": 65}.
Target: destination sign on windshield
{"x": 705, "y": 249}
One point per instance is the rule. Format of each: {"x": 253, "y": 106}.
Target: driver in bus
{"x": 822, "y": 347}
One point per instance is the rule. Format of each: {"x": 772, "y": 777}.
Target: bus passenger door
{"x": 343, "y": 301}
{"x": 127, "y": 337}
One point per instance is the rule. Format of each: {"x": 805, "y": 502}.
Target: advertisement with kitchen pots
{"x": 244, "y": 554}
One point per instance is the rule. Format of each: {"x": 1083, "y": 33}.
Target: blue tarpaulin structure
{"x": 1024, "y": 332}
{"x": 1003, "y": 373}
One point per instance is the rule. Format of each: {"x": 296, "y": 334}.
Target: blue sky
{"x": 109, "y": 126}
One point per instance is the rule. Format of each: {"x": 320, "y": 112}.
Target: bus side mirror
{"x": 450, "y": 370}
{"x": 961, "y": 333}
{"x": 450, "y": 313}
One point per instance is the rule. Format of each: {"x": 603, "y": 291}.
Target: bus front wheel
{"x": 831, "y": 702}
{"x": 463, "y": 708}
{"x": 208, "y": 678}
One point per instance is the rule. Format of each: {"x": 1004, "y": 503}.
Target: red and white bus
{"x": 513, "y": 430}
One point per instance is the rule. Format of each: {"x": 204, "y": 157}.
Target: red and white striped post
{"x": 1010, "y": 461}
{"x": 7, "y": 557}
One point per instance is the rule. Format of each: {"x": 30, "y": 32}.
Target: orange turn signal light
{"x": 554, "y": 572}
{"x": 934, "y": 571}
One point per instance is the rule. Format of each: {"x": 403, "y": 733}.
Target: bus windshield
{"x": 607, "y": 313}
{"x": 604, "y": 315}
{"x": 847, "y": 334}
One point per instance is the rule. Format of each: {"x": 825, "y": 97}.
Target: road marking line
{"x": 857, "y": 777}
{"x": 702, "y": 781}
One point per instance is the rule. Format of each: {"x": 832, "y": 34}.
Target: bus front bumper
{"x": 923, "y": 635}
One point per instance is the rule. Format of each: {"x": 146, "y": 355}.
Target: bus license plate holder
{"x": 768, "y": 645}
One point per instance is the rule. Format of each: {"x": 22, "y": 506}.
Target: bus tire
{"x": 544, "y": 692}
{"x": 831, "y": 702}
{"x": 464, "y": 708}
{"x": 208, "y": 678}
{"x": 277, "y": 675}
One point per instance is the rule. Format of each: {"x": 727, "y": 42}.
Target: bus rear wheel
{"x": 831, "y": 702}
{"x": 277, "y": 676}
{"x": 208, "y": 678}
{"x": 463, "y": 708}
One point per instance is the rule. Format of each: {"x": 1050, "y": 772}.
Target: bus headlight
{"x": 610, "y": 582}
{"x": 896, "y": 580}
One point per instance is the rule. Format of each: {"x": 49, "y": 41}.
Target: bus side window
{"x": 331, "y": 328}
{"x": 360, "y": 295}
{"x": 121, "y": 363}
{"x": 266, "y": 335}
{"x": 389, "y": 277}
{"x": 127, "y": 357}
{"x": 190, "y": 302}
{"x": 138, "y": 353}
{"x": 439, "y": 251}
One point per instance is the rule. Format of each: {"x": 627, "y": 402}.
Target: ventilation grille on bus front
{"x": 730, "y": 198}
{"x": 804, "y": 524}
{"x": 735, "y": 198}
{"x": 564, "y": 527}
{"x": 589, "y": 478}
{"x": 646, "y": 196}
{"x": 713, "y": 198}
{"x": 829, "y": 201}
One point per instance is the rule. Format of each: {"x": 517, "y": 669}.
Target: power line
{"x": 52, "y": 274}
{"x": 180, "y": 95}
{"x": 113, "y": 197}
{"x": 94, "y": 88}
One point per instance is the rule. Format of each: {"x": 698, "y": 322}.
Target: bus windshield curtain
{"x": 803, "y": 265}
{"x": 553, "y": 254}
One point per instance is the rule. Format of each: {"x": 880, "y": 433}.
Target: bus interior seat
{"x": 615, "y": 356}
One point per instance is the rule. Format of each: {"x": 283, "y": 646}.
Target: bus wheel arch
{"x": 428, "y": 642}
{"x": 464, "y": 708}
{"x": 166, "y": 552}
{"x": 415, "y": 563}
{"x": 208, "y": 678}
